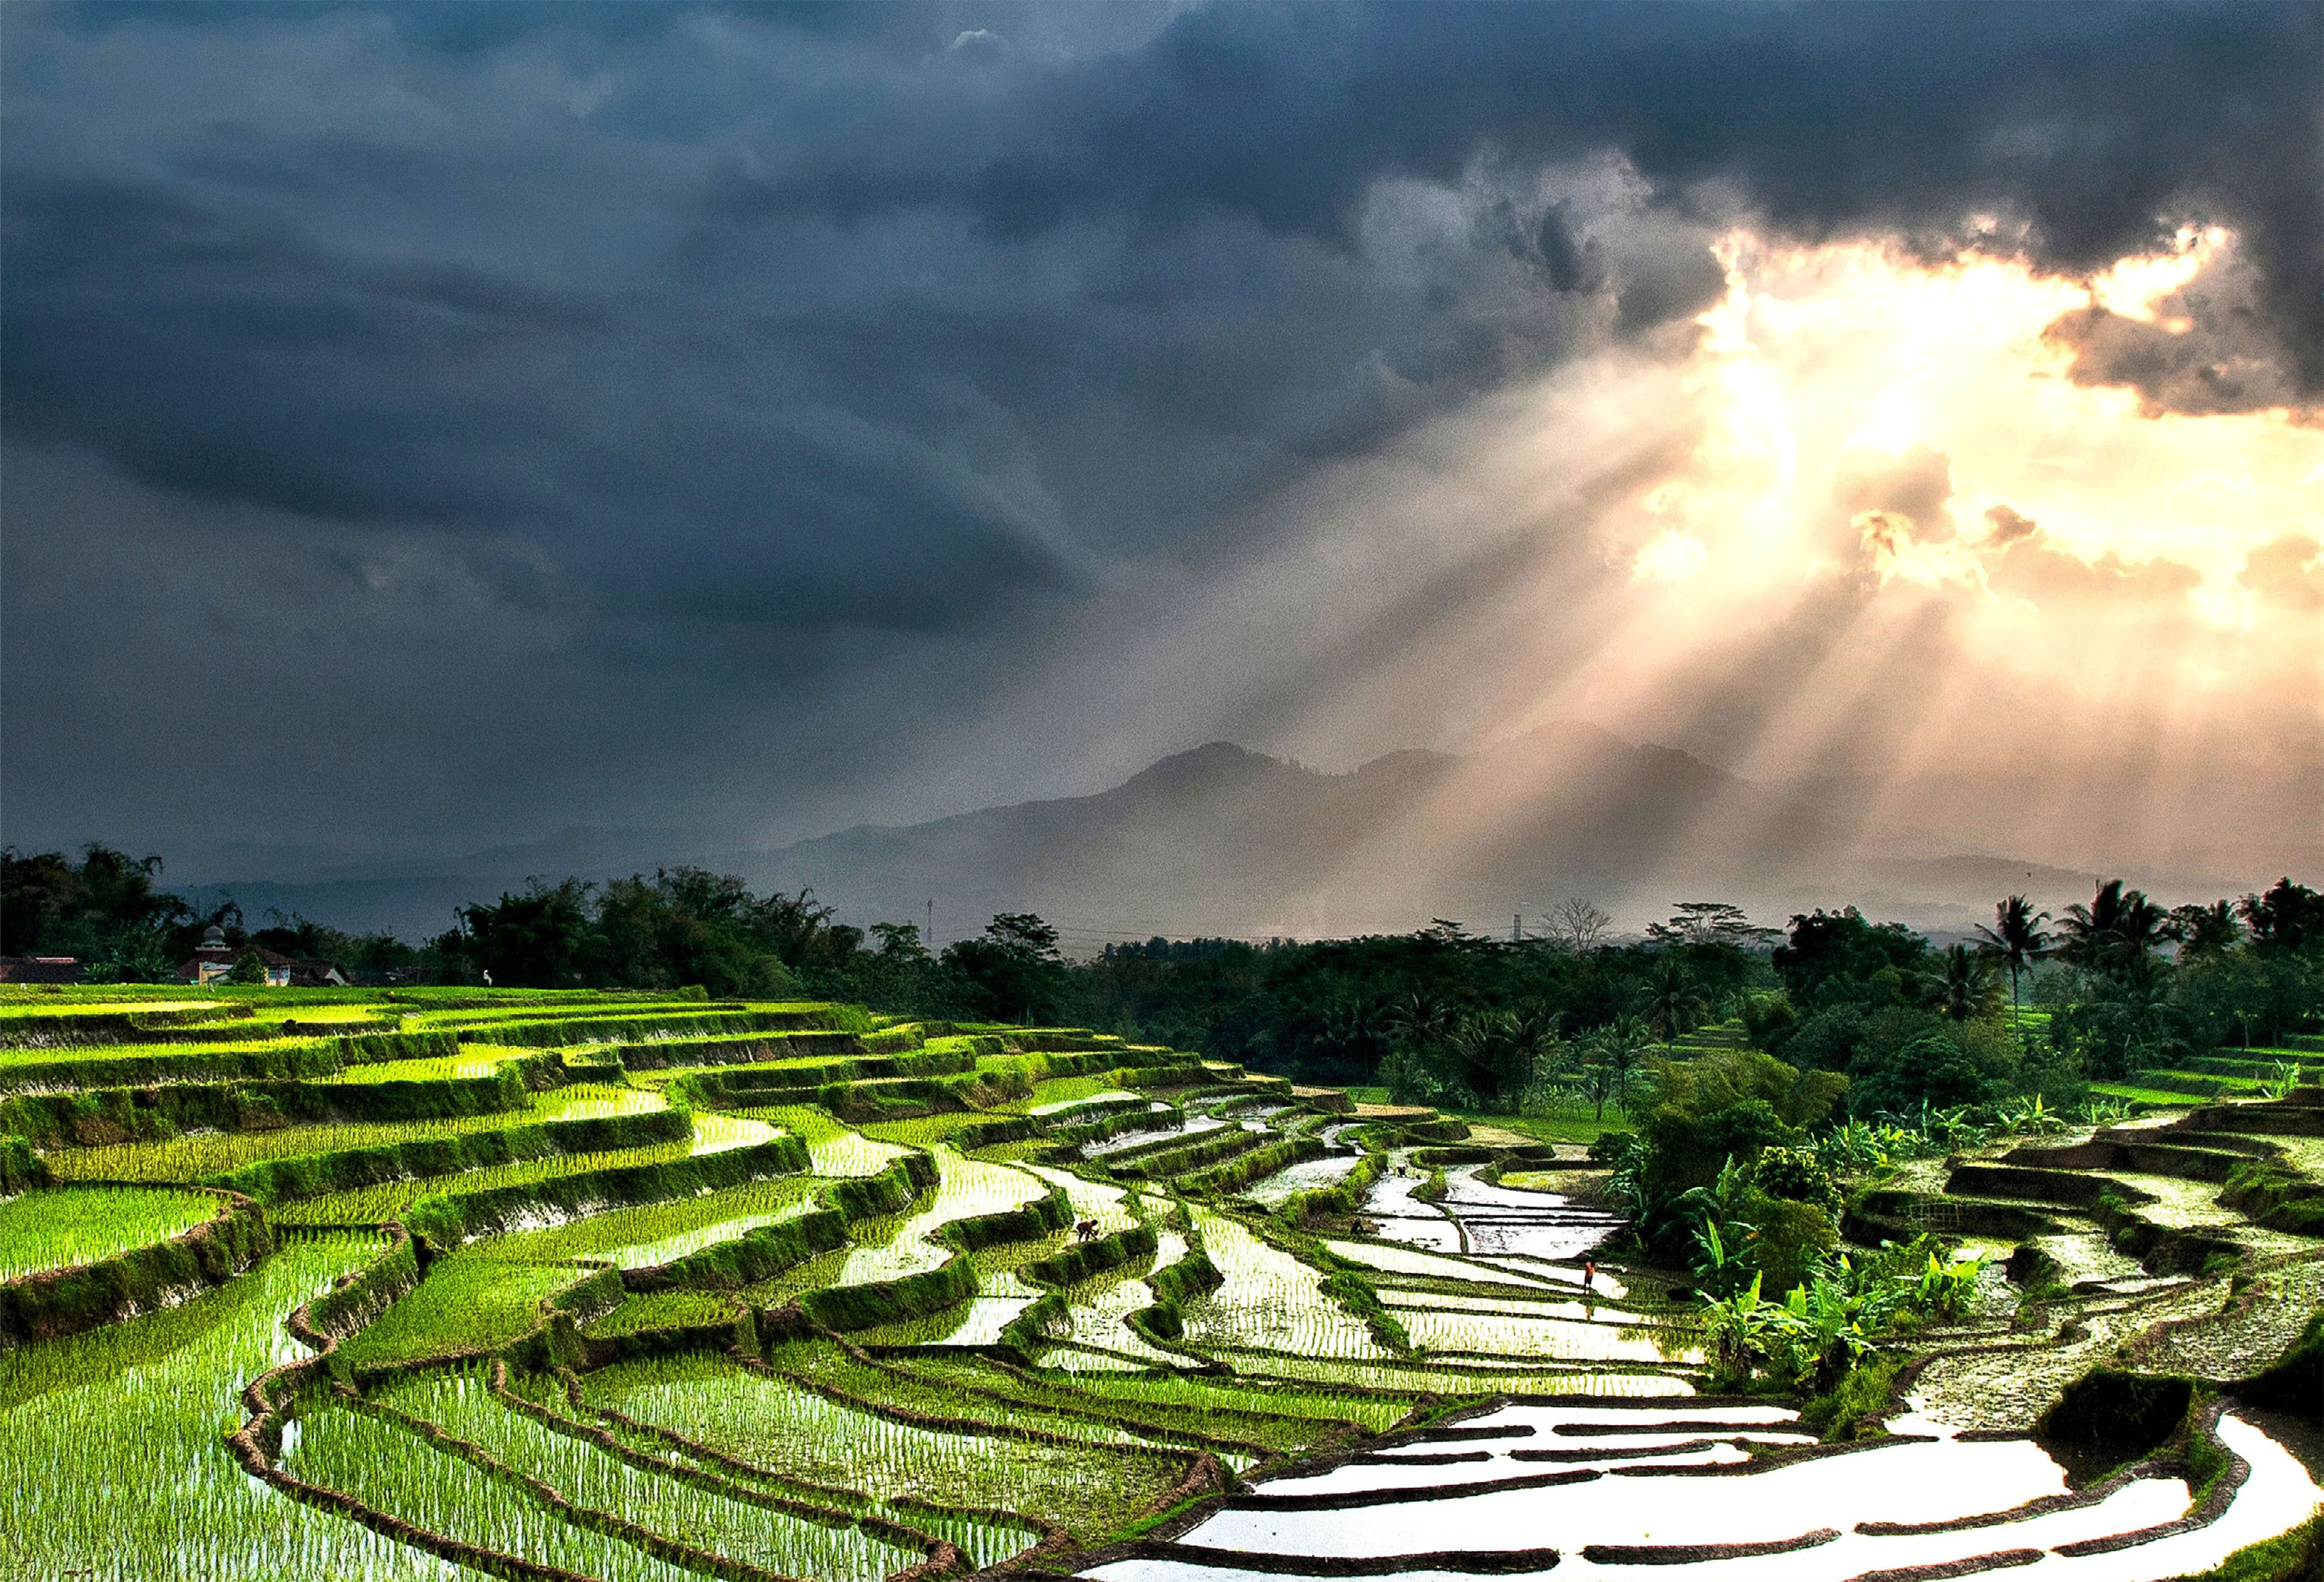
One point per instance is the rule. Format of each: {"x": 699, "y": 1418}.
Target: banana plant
{"x": 1735, "y": 1332}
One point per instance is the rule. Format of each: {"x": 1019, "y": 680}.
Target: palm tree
{"x": 2016, "y": 940}
{"x": 1673, "y": 1005}
{"x": 2116, "y": 933}
{"x": 1614, "y": 1049}
{"x": 2204, "y": 930}
{"x": 1967, "y": 984}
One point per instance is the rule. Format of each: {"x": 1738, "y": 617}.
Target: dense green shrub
{"x": 1053, "y": 1212}
{"x": 1079, "y": 1260}
{"x": 2279, "y": 1198}
{"x": 358, "y": 1298}
{"x": 1853, "y": 1408}
{"x": 1797, "y": 1174}
{"x": 1174, "y": 1285}
{"x": 1240, "y": 1171}
{"x": 2295, "y": 1381}
{"x": 20, "y": 1168}
{"x": 758, "y": 1254}
{"x": 889, "y": 1191}
{"x": 1343, "y": 1197}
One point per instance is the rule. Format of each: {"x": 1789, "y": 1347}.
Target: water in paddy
{"x": 1603, "y": 1488}
{"x": 1195, "y": 1126}
{"x": 1305, "y": 1176}
{"x": 1494, "y": 1223}
{"x": 1606, "y": 1486}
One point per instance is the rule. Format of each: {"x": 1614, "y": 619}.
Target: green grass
{"x": 56, "y": 1227}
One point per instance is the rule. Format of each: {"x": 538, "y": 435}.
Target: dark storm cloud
{"x": 729, "y": 337}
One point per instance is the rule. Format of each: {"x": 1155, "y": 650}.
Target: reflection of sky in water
{"x": 1477, "y": 1217}
{"x": 1910, "y": 1483}
{"x": 1194, "y": 1128}
{"x": 1305, "y": 1176}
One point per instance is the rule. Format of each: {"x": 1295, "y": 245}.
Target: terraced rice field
{"x": 80, "y": 1224}
{"x": 1142, "y": 1318}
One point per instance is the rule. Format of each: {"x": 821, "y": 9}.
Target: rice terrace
{"x": 1161, "y": 790}
{"x": 375, "y": 1284}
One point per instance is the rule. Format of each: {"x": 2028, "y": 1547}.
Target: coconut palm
{"x": 1614, "y": 1049}
{"x": 2116, "y": 933}
{"x": 2016, "y": 940}
{"x": 1673, "y": 1005}
{"x": 1967, "y": 988}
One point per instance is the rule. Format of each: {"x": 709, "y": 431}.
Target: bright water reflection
{"x": 1624, "y": 1500}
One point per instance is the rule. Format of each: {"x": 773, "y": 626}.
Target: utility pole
{"x": 929, "y": 938}
{"x": 1516, "y": 929}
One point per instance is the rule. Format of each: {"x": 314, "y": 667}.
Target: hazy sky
{"x": 427, "y": 427}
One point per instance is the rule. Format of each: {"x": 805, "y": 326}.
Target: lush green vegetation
{"x": 678, "y": 1285}
{"x": 65, "y": 1226}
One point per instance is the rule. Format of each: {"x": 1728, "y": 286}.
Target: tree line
{"x": 2036, "y": 1005}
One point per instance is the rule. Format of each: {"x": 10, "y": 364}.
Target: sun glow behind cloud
{"x": 1862, "y": 532}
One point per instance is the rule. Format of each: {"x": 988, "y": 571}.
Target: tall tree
{"x": 2205, "y": 930}
{"x": 1614, "y": 1049}
{"x": 2117, "y": 933}
{"x": 1674, "y": 1007}
{"x": 2286, "y": 917}
{"x": 1966, "y": 987}
{"x": 2016, "y": 940}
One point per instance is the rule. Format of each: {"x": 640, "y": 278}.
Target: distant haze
{"x": 1221, "y": 840}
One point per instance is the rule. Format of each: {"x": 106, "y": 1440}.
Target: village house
{"x": 213, "y": 958}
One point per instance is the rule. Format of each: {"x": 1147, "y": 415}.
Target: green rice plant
{"x": 65, "y": 1226}
{"x": 199, "y": 1156}
{"x": 1236, "y": 1398}
{"x": 665, "y": 1309}
{"x": 391, "y": 1469}
{"x": 21, "y": 1169}
{"x": 924, "y": 1131}
{"x": 781, "y": 1425}
{"x": 136, "y": 1409}
{"x": 588, "y": 1476}
{"x": 467, "y": 1304}
{"x": 391, "y": 1200}
{"x": 1211, "y": 1418}
{"x": 836, "y": 1149}
{"x": 966, "y": 1189}
{"x": 653, "y": 1233}
{"x": 1269, "y": 1300}
{"x": 823, "y": 1365}
{"x": 315, "y": 1174}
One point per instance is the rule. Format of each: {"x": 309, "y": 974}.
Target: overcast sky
{"x": 427, "y": 427}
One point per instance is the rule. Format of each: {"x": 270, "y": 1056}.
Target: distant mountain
{"x": 1225, "y": 841}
